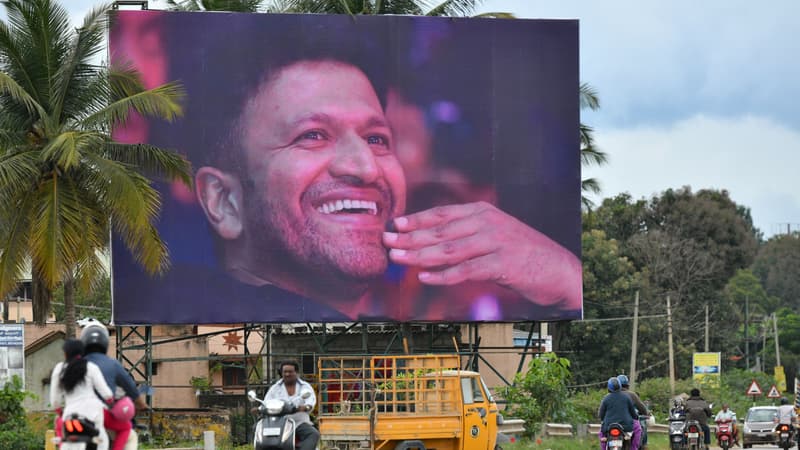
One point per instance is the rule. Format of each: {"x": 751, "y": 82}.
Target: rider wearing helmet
{"x": 698, "y": 409}
{"x": 118, "y": 419}
{"x": 616, "y": 407}
{"x": 786, "y": 413}
{"x": 641, "y": 409}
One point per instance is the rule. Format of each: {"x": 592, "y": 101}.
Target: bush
{"x": 541, "y": 395}
{"x": 14, "y": 430}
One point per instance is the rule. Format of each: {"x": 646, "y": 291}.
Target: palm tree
{"x": 590, "y": 154}
{"x": 215, "y": 5}
{"x": 64, "y": 182}
{"x": 452, "y": 8}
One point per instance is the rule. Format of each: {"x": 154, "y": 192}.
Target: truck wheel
{"x": 407, "y": 445}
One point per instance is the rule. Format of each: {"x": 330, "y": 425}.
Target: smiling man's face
{"x": 322, "y": 176}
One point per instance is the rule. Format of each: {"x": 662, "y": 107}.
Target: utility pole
{"x": 706, "y": 350}
{"x": 671, "y": 353}
{"x": 746, "y": 332}
{"x": 777, "y": 347}
{"x": 634, "y": 340}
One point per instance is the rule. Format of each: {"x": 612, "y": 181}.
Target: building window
{"x": 233, "y": 375}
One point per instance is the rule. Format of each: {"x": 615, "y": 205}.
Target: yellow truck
{"x": 404, "y": 402}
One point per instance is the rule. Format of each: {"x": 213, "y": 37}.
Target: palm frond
{"x": 458, "y": 8}
{"x": 152, "y": 160}
{"x": 162, "y": 102}
{"x": 75, "y": 70}
{"x": 17, "y": 172}
{"x": 589, "y": 97}
{"x": 14, "y": 239}
{"x": 10, "y": 87}
{"x": 590, "y": 185}
{"x": 496, "y": 15}
{"x": 65, "y": 150}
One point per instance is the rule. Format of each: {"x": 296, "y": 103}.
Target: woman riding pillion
{"x": 73, "y": 384}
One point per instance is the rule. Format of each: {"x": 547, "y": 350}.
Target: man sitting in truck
{"x": 290, "y": 388}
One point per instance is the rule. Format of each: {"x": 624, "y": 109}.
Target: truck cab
{"x": 404, "y": 402}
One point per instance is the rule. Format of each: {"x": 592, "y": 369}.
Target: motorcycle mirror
{"x": 251, "y": 394}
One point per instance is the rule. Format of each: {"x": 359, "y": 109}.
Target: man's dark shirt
{"x": 114, "y": 374}
{"x": 697, "y": 409}
{"x": 617, "y": 407}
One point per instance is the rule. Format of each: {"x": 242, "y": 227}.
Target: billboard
{"x": 12, "y": 353}
{"x": 376, "y": 168}
{"x": 706, "y": 368}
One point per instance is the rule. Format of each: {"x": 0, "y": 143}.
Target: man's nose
{"x": 354, "y": 157}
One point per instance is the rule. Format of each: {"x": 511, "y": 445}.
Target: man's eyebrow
{"x": 372, "y": 121}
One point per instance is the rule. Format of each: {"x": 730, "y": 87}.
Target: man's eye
{"x": 378, "y": 140}
{"x": 312, "y": 135}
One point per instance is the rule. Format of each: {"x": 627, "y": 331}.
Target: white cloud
{"x": 754, "y": 158}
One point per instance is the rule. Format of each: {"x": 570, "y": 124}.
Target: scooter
{"x": 785, "y": 436}
{"x": 724, "y": 434}
{"x": 275, "y": 430}
{"x": 617, "y": 438}
{"x": 78, "y": 433}
{"x": 677, "y": 422}
{"x": 694, "y": 435}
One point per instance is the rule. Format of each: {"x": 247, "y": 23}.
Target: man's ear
{"x": 220, "y": 195}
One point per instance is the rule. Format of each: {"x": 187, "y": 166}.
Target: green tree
{"x": 93, "y": 303}
{"x": 216, "y": 5}
{"x": 64, "y": 181}
{"x": 777, "y": 265}
{"x": 541, "y": 394}
{"x": 451, "y": 8}
{"x": 609, "y": 284}
{"x": 590, "y": 153}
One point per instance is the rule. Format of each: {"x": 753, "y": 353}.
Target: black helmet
{"x": 613, "y": 384}
{"x": 784, "y": 401}
{"x": 95, "y": 338}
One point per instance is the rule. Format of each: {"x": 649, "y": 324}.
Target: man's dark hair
{"x": 288, "y": 362}
{"x": 695, "y": 392}
{"x": 223, "y": 61}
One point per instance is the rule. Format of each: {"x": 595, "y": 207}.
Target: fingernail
{"x": 389, "y": 237}
{"x": 424, "y": 275}
{"x": 397, "y": 252}
{"x": 401, "y": 221}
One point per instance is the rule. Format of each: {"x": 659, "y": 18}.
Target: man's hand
{"x": 478, "y": 242}
{"x": 141, "y": 403}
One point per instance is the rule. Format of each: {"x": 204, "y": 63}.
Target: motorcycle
{"x": 78, "y": 433}
{"x": 677, "y": 422}
{"x": 724, "y": 434}
{"x": 694, "y": 435}
{"x": 617, "y": 438}
{"x": 785, "y": 435}
{"x": 275, "y": 430}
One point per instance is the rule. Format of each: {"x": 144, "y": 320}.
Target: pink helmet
{"x": 123, "y": 409}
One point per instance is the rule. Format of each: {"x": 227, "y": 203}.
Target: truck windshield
{"x": 471, "y": 390}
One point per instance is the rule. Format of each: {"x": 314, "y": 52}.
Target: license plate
{"x": 615, "y": 443}
{"x": 677, "y": 439}
{"x": 784, "y": 435}
{"x": 73, "y": 446}
{"x": 271, "y": 431}
{"x": 694, "y": 435}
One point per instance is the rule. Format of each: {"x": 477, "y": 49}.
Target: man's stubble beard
{"x": 318, "y": 259}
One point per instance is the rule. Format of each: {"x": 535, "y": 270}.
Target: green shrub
{"x": 14, "y": 430}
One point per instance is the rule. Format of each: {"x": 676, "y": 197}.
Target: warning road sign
{"x": 754, "y": 389}
{"x": 773, "y": 392}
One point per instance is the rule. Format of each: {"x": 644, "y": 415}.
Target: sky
{"x": 702, "y": 94}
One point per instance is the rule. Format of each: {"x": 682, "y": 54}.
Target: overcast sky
{"x": 693, "y": 93}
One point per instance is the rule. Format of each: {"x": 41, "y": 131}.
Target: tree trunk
{"x": 69, "y": 306}
{"x": 41, "y": 298}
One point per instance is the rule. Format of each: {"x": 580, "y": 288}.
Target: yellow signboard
{"x": 706, "y": 368}
{"x": 780, "y": 378}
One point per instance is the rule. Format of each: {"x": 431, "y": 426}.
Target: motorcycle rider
{"x": 641, "y": 409}
{"x": 616, "y": 407}
{"x": 95, "y": 338}
{"x": 698, "y": 409}
{"x": 727, "y": 414}
{"x": 290, "y": 389}
{"x": 786, "y": 414}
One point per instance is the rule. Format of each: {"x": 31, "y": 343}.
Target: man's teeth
{"x": 340, "y": 205}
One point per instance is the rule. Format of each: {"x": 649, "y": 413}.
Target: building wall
{"x": 38, "y": 368}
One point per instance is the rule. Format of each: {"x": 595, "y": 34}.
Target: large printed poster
{"x": 375, "y": 168}
{"x": 12, "y": 353}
